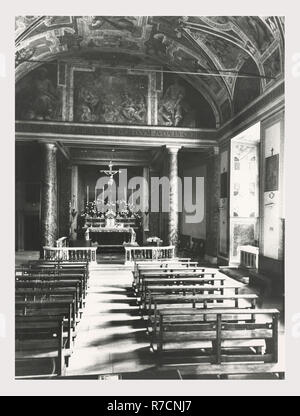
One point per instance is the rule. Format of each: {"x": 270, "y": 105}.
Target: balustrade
{"x": 148, "y": 253}
{"x": 71, "y": 254}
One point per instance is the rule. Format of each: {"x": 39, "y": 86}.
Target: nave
{"x": 150, "y": 183}
{"x": 115, "y": 338}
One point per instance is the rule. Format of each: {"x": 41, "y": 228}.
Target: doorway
{"x": 31, "y": 232}
{"x": 244, "y": 192}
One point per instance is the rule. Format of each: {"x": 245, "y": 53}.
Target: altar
{"x": 107, "y": 223}
{"x": 111, "y": 236}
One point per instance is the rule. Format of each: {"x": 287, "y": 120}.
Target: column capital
{"x": 173, "y": 148}
{"x": 49, "y": 145}
{"x": 214, "y": 151}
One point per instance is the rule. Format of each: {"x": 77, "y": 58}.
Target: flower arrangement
{"x": 125, "y": 210}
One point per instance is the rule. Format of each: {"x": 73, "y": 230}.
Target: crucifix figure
{"x": 111, "y": 173}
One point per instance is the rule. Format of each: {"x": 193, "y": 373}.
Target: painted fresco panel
{"x": 181, "y": 105}
{"x": 243, "y": 232}
{"x": 110, "y": 97}
{"x": 38, "y": 97}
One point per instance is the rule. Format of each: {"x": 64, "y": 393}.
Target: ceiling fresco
{"x": 208, "y": 52}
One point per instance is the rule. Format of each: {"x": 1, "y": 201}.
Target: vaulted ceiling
{"x": 230, "y": 60}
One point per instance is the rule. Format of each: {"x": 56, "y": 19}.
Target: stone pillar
{"x": 154, "y": 217}
{"x": 74, "y": 202}
{"x": 212, "y": 205}
{"x": 49, "y": 195}
{"x": 173, "y": 199}
{"x": 146, "y": 209}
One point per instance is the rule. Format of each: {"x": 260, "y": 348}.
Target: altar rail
{"x": 72, "y": 254}
{"x": 62, "y": 242}
{"x": 148, "y": 253}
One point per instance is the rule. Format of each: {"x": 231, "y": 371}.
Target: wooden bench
{"x": 177, "y": 281}
{"x": 171, "y": 275}
{"x": 52, "y": 285}
{"x": 46, "y": 309}
{"x": 252, "y": 371}
{"x": 58, "y": 267}
{"x": 190, "y": 331}
{"x": 62, "y": 267}
{"x": 40, "y": 343}
{"x": 47, "y": 293}
{"x": 161, "y": 264}
{"x": 183, "y": 290}
{"x": 158, "y": 302}
{"x": 51, "y": 294}
{"x": 59, "y": 264}
{"x": 50, "y": 278}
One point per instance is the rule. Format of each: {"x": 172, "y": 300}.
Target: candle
{"x": 87, "y": 194}
{"x": 103, "y": 195}
{"x": 125, "y": 194}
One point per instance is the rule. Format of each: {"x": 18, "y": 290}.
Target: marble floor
{"x": 111, "y": 335}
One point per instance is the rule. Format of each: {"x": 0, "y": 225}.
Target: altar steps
{"x": 109, "y": 266}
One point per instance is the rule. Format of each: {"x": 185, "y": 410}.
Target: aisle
{"x": 111, "y": 336}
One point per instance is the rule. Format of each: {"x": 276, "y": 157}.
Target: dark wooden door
{"x": 31, "y": 232}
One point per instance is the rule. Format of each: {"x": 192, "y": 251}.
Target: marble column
{"x": 154, "y": 217}
{"x": 172, "y": 152}
{"x": 146, "y": 176}
{"x": 49, "y": 195}
{"x": 74, "y": 202}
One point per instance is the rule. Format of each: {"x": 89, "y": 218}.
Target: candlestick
{"x": 87, "y": 194}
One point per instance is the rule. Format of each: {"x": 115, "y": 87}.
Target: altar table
{"x": 123, "y": 230}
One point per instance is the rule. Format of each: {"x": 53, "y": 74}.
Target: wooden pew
{"x": 47, "y": 309}
{"x": 49, "y": 294}
{"x": 52, "y": 285}
{"x": 183, "y": 290}
{"x": 185, "y": 262}
{"x": 225, "y": 371}
{"x": 45, "y": 294}
{"x": 38, "y": 343}
{"x": 189, "y": 280}
{"x": 58, "y": 264}
{"x": 160, "y": 302}
{"x": 59, "y": 267}
{"x": 171, "y": 275}
{"x": 213, "y": 330}
{"x": 148, "y": 282}
{"x": 50, "y": 278}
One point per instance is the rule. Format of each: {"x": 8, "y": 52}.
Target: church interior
{"x": 109, "y": 282}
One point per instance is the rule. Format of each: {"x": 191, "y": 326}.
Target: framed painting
{"x": 272, "y": 173}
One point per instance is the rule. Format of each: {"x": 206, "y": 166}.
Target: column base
{"x": 211, "y": 259}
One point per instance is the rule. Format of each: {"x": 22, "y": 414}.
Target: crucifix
{"x": 111, "y": 173}
{"x": 272, "y": 152}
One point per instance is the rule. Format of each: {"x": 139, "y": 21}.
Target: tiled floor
{"x": 111, "y": 335}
